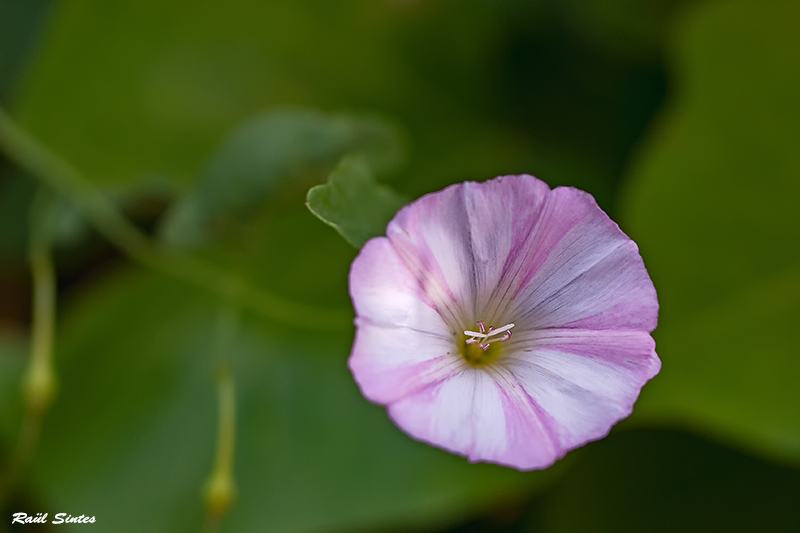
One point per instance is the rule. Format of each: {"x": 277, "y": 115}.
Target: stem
{"x": 221, "y": 488}
{"x": 30, "y": 155}
{"x": 39, "y": 381}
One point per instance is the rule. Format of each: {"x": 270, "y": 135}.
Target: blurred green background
{"x": 206, "y": 124}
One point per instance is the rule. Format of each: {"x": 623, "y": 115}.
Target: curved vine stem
{"x": 30, "y": 155}
{"x": 39, "y": 382}
{"x": 221, "y": 486}
{"x": 220, "y": 489}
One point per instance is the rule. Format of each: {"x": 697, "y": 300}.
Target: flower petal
{"x": 474, "y": 414}
{"x": 390, "y": 363}
{"x": 507, "y": 252}
{"x": 583, "y": 271}
{"x": 384, "y": 292}
{"x": 401, "y": 344}
{"x": 462, "y": 414}
{"x": 586, "y": 381}
{"x": 457, "y": 242}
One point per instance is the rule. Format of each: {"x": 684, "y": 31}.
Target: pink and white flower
{"x": 503, "y": 321}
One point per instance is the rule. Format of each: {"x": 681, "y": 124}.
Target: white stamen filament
{"x": 484, "y": 337}
{"x": 492, "y": 332}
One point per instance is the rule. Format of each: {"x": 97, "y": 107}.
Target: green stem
{"x": 30, "y": 155}
{"x": 221, "y": 488}
{"x": 39, "y": 381}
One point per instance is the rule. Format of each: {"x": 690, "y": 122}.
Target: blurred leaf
{"x": 63, "y": 224}
{"x": 13, "y": 358}
{"x": 660, "y": 481}
{"x": 18, "y": 24}
{"x": 70, "y": 227}
{"x": 271, "y": 149}
{"x": 714, "y": 207}
{"x": 16, "y": 195}
{"x": 177, "y": 76}
{"x": 353, "y": 203}
{"x": 53, "y": 220}
{"x": 131, "y": 438}
{"x": 626, "y": 27}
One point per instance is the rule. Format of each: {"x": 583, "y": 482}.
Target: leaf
{"x": 663, "y": 481}
{"x": 625, "y": 27}
{"x": 131, "y": 438}
{"x": 58, "y": 220}
{"x": 19, "y": 22}
{"x": 177, "y": 77}
{"x": 16, "y": 194}
{"x": 353, "y": 203}
{"x": 264, "y": 153}
{"x": 13, "y": 358}
{"x": 713, "y": 205}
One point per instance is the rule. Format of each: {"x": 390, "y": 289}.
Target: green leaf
{"x": 624, "y": 27}
{"x": 713, "y": 205}
{"x": 131, "y": 438}
{"x": 353, "y": 203}
{"x": 264, "y": 153}
{"x": 13, "y": 358}
{"x": 177, "y": 77}
{"x": 16, "y": 195}
{"x": 19, "y": 22}
{"x": 663, "y": 481}
{"x": 61, "y": 223}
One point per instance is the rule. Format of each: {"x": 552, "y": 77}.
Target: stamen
{"x": 503, "y": 338}
{"x": 492, "y": 332}
{"x": 484, "y": 337}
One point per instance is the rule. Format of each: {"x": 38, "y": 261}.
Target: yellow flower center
{"x": 477, "y": 348}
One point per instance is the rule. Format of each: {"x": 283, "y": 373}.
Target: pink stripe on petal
{"x": 584, "y": 271}
{"x": 580, "y": 415}
{"x": 614, "y": 293}
{"x": 385, "y": 292}
{"x": 484, "y": 416}
{"x": 501, "y": 214}
{"x": 631, "y": 349}
{"x": 585, "y": 380}
{"x": 462, "y": 414}
{"x": 389, "y": 362}
{"x": 459, "y": 241}
{"x": 432, "y": 238}
{"x": 530, "y": 434}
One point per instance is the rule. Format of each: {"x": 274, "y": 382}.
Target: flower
{"x": 503, "y": 321}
